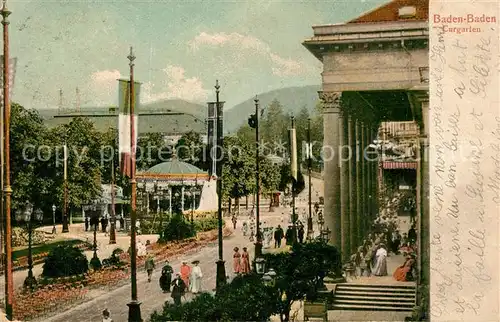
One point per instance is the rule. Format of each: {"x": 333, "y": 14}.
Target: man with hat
{"x": 195, "y": 279}
{"x": 178, "y": 289}
{"x": 166, "y": 277}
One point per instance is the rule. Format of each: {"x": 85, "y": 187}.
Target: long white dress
{"x": 195, "y": 280}
{"x": 380, "y": 268}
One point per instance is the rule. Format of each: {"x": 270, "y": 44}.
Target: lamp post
{"x": 26, "y": 216}
{"x": 7, "y": 189}
{"x": 54, "y": 219}
{"x": 253, "y": 122}
{"x": 94, "y": 222}
{"x": 221, "y": 269}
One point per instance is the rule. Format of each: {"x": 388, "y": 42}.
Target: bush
{"x": 65, "y": 260}
{"x": 207, "y": 224}
{"x": 177, "y": 229}
{"x": 246, "y": 298}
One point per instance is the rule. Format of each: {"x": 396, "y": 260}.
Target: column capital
{"x": 330, "y": 101}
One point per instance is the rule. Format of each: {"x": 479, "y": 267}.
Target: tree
{"x": 300, "y": 273}
{"x": 269, "y": 175}
{"x": 32, "y": 176}
{"x": 246, "y": 298}
{"x": 274, "y": 126}
{"x": 84, "y": 144}
{"x": 238, "y": 173}
{"x": 190, "y": 149}
{"x": 317, "y": 134}
{"x": 152, "y": 150}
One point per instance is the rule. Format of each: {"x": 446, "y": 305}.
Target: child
{"x": 360, "y": 261}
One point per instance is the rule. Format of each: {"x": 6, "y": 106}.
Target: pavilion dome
{"x": 175, "y": 167}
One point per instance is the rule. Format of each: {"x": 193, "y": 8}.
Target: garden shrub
{"x": 207, "y": 224}
{"x": 246, "y": 298}
{"x": 177, "y": 229}
{"x": 65, "y": 260}
{"x": 114, "y": 259}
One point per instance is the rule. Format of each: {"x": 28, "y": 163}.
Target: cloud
{"x": 104, "y": 86}
{"x": 251, "y": 46}
{"x": 175, "y": 85}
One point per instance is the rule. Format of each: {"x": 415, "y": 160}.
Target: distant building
{"x": 172, "y": 124}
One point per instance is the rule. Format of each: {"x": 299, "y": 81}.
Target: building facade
{"x": 375, "y": 70}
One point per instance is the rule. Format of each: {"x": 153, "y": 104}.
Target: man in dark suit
{"x": 178, "y": 289}
{"x": 278, "y": 236}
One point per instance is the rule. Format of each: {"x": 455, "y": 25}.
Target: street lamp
{"x": 26, "y": 217}
{"x": 54, "y": 219}
{"x": 269, "y": 277}
{"x": 94, "y": 221}
{"x": 260, "y": 265}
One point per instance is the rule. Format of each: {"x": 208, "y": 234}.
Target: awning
{"x": 399, "y": 165}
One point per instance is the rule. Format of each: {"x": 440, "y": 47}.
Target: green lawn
{"x": 44, "y": 248}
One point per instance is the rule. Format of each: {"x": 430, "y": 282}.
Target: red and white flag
{"x": 12, "y": 74}
{"x": 124, "y": 123}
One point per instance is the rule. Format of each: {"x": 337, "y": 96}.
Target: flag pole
{"x": 134, "y": 313}
{"x": 294, "y": 171}
{"x": 309, "y": 170}
{"x": 9, "y": 282}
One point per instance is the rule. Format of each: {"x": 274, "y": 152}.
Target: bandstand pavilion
{"x": 173, "y": 186}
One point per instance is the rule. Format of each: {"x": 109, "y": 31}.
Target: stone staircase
{"x": 374, "y": 297}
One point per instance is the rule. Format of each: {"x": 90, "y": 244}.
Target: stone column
{"x": 344, "y": 186}
{"x": 363, "y": 179}
{"x": 375, "y": 173}
{"x": 331, "y": 121}
{"x": 353, "y": 232}
{"x": 147, "y": 203}
{"x": 424, "y": 222}
{"x": 368, "y": 156}
{"x": 359, "y": 184}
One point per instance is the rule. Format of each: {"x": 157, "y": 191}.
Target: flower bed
{"x": 46, "y": 299}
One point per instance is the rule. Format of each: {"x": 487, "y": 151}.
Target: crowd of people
{"x": 371, "y": 258}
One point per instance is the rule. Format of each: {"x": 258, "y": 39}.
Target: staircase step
{"x": 370, "y": 298}
{"x": 375, "y": 293}
{"x": 374, "y": 303}
{"x": 407, "y": 285}
{"x": 374, "y": 289}
{"x": 369, "y": 308}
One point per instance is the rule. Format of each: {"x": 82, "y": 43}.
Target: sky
{"x": 181, "y": 47}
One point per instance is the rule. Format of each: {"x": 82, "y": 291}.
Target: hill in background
{"x": 293, "y": 99}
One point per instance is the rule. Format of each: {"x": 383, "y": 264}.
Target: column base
{"x": 134, "y": 311}
{"x": 221, "y": 278}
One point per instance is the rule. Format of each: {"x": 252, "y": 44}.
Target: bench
{"x": 315, "y": 310}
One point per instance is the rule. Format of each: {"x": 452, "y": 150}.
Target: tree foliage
{"x": 190, "y": 149}
{"x": 65, "y": 260}
{"x": 300, "y": 273}
{"x": 32, "y": 177}
{"x": 246, "y": 298}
